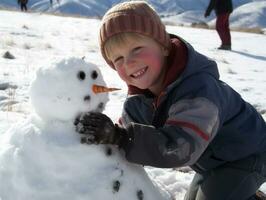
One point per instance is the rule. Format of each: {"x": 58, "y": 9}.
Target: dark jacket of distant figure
{"x": 220, "y": 6}
{"x": 22, "y": 1}
{"x": 197, "y": 121}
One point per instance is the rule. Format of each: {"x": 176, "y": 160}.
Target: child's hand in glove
{"x": 99, "y": 128}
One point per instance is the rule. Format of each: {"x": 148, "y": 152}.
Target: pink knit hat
{"x": 132, "y": 17}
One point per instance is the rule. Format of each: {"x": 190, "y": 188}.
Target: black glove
{"x": 99, "y": 128}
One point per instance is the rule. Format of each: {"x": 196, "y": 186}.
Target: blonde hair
{"x": 120, "y": 40}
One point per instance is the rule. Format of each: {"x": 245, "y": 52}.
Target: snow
{"x": 250, "y": 15}
{"x": 42, "y": 157}
{"x": 247, "y": 13}
{"x": 47, "y": 161}
{"x": 39, "y": 40}
{"x": 50, "y": 90}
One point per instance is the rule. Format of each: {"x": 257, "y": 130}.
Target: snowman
{"x": 42, "y": 158}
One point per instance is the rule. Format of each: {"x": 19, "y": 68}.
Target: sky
{"x": 38, "y": 40}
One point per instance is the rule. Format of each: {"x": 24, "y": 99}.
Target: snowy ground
{"x": 37, "y": 39}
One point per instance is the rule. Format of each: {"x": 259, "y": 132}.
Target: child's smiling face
{"x": 140, "y": 62}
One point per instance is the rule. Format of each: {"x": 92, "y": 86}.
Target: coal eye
{"x": 87, "y": 98}
{"x": 81, "y": 75}
{"x": 94, "y": 74}
{"x": 101, "y": 105}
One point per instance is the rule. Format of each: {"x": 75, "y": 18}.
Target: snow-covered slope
{"x": 247, "y": 14}
{"x": 251, "y": 15}
{"x": 38, "y": 39}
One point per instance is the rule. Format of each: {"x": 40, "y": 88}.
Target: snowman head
{"x": 64, "y": 90}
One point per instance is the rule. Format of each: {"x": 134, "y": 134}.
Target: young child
{"x": 178, "y": 112}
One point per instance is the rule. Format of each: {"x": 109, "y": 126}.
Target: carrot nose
{"x": 100, "y": 89}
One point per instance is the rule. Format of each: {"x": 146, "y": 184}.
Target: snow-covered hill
{"x": 247, "y": 13}
{"x": 38, "y": 39}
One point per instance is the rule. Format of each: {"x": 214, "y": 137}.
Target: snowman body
{"x": 42, "y": 157}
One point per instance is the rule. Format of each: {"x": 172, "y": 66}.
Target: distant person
{"x": 23, "y": 5}
{"x": 51, "y": 2}
{"x": 223, "y": 9}
{"x": 178, "y": 112}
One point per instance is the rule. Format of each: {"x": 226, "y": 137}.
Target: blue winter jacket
{"x": 198, "y": 121}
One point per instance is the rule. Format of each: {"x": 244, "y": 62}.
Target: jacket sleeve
{"x": 210, "y": 7}
{"x": 191, "y": 125}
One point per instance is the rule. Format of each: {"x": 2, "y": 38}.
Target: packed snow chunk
{"x": 42, "y": 158}
{"x": 64, "y": 90}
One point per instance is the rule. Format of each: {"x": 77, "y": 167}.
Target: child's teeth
{"x": 139, "y": 73}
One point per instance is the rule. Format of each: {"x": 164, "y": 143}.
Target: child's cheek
{"x": 122, "y": 73}
{"x": 151, "y": 58}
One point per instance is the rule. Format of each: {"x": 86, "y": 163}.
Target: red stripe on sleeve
{"x": 120, "y": 121}
{"x": 190, "y": 126}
